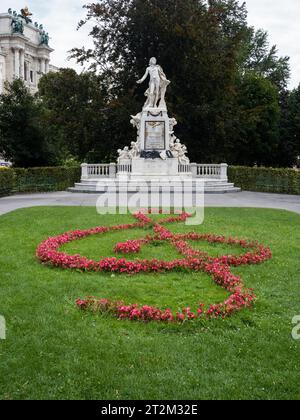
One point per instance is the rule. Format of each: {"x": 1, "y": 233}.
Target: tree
{"x": 22, "y": 140}
{"x": 196, "y": 44}
{"x": 289, "y": 147}
{"x": 257, "y": 56}
{"x": 211, "y": 56}
{"x": 259, "y": 115}
{"x": 76, "y": 113}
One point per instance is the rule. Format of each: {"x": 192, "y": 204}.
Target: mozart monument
{"x": 156, "y": 156}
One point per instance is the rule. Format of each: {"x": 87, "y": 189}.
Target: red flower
{"x": 128, "y": 247}
{"x": 194, "y": 260}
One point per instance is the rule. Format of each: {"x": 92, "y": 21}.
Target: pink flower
{"x": 128, "y": 247}
{"x": 193, "y": 260}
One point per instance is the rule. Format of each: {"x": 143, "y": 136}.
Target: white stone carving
{"x": 155, "y": 130}
{"x": 172, "y": 124}
{"x": 135, "y": 150}
{"x": 124, "y": 154}
{"x": 136, "y": 122}
{"x": 179, "y": 151}
{"x": 157, "y": 86}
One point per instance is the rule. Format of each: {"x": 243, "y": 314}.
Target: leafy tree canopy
{"x": 228, "y": 88}
{"x": 206, "y": 49}
{"x": 74, "y": 103}
{"x": 22, "y": 138}
{"x": 289, "y": 147}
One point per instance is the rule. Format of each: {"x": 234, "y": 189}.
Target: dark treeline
{"x": 228, "y": 91}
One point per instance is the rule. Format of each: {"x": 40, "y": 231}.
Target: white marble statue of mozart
{"x": 157, "y": 86}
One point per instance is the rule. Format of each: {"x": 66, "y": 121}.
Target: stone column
{"x": 43, "y": 65}
{"x": 224, "y": 168}
{"x": 112, "y": 170}
{"x": 22, "y": 58}
{"x": 84, "y": 171}
{"x": 2, "y": 74}
{"x": 17, "y": 63}
{"x": 35, "y": 71}
{"x": 26, "y": 71}
{"x": 193, "y": 167}
{"x": 46, "y": 66}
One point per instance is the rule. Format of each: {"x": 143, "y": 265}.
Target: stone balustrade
{"x": 91, "y": 171}
{"x": 208, "y": 171}
{"x": 184, "y": 169}
{"x": 124, "y": 168}
{"x": 211, "y": 171}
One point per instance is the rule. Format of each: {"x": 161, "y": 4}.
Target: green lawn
{"x": 55, "y": 351}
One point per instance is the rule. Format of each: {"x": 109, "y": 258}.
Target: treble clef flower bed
{"x": 193, "y": 260}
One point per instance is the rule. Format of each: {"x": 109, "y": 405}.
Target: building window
{"x": 25, "y": 71}
{"x": 31, "y": 76}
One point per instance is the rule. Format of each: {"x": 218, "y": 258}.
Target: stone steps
{"x": 211, "y": 186}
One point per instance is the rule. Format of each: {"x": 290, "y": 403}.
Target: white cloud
{"x": 280, "y": 19}
{"x": 60, "y": 18}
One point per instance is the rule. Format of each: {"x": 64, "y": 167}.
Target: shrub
{"x": 46, "y": 179}
{"x": 6, "y": 181}
{"x": 283, "y": 181}
{"x": 19, "y": 180}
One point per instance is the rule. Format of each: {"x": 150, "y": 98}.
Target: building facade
{"x": 24, "y": 49}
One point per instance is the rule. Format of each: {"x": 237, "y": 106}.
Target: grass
{"x": 54, "y": 351}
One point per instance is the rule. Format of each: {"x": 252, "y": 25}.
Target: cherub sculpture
{"x": 123, "y": 154}
{"x": 172, "y": 124}
{"x": 179, "y": 151}
{"x": 183, "y": 159}
{"x": 136, "y": 122}
{"x": 135, "y": 150}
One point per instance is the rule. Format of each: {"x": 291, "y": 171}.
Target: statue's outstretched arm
{"x": 144, "y": 77}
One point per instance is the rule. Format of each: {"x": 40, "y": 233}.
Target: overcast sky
{"x": 60, "y": 18}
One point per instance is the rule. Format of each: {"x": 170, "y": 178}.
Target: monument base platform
{"x": 153, "y": 169}
{"x": 210, "y": 186}
{"x": 141, "y": 174}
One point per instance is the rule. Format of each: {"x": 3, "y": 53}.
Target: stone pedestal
{"x": 151, "y": 157}
{"x": 154, "y": 169}
{"x": 154, "y": 130}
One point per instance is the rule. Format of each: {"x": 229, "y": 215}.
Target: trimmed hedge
{"x": 6, "y": 181}
{"x": 19, "y": 180}
{"x": 283, "y": 181}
